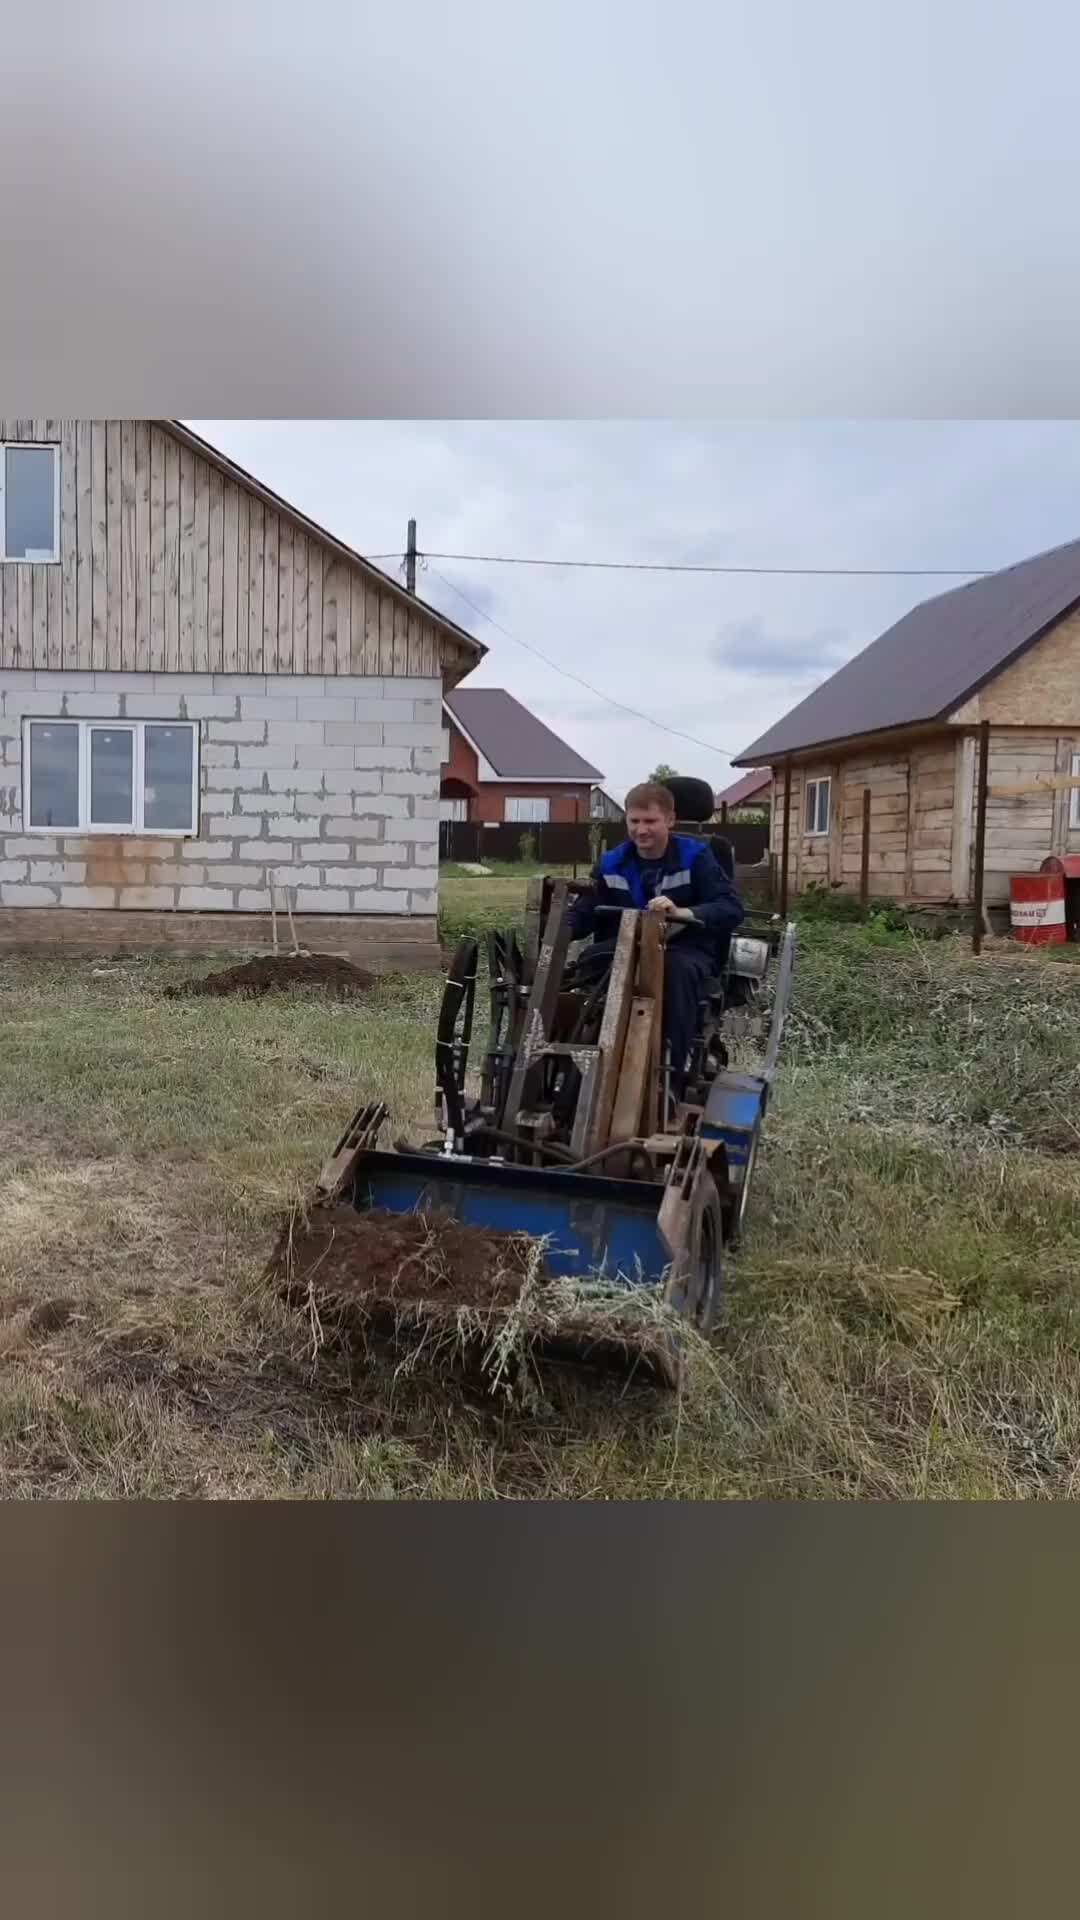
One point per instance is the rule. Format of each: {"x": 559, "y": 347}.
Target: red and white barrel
{"x": 1037, "y": 908}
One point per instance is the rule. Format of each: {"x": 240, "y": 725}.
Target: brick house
{"x": 501, "y": 764}
{"x": 753, "y": 790}
{"x": 903, "y": 719}
{"x": 204, "y": 693}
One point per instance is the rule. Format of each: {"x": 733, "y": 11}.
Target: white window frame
{"x": 1074, "y": 797}
{"x": 136, "y": 825}
{"x": 454, "y": 807}
{"x": 527, "y": 800}
{"x": 34, "y": 559}
{"x": 814, "y": 786}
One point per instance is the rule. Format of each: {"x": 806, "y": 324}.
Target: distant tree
{"x": 662, "y": 773}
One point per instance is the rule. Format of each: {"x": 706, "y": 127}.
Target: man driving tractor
{"x": 659, "y": 871}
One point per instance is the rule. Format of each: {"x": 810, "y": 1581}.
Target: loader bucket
{"x": 471, "y": 1255}
{"x": 590, "y": 1224}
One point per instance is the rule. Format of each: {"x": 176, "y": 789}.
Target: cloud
{"x": 720, "y": 657}
{"x": 752, "y": 647}
{"x": 438, "y": 587}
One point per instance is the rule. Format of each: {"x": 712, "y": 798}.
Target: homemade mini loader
{"x": 569, "y": 1131}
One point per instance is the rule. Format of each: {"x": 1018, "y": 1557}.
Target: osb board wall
{"x": 169, "y": 566}
{"x": 1041, "y": 689}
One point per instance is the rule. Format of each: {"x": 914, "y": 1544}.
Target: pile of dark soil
{"x": 400, "y": 1259}
{"x": 280, "y": 973}
{"x": 383, "y": 1277}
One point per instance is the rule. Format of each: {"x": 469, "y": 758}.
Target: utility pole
{"x": 410, "y": 558}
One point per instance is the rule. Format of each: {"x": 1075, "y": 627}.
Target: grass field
{"x": 475, "y": 902}
{"x": 901, "y": 1323}
{"x": 470, "y": 903}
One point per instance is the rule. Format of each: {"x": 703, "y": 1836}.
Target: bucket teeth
{"x": 360, "y": 1136}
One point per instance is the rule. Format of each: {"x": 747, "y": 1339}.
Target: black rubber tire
{"x": 456, "y": 1017}
{"x": 707, "y": 1280}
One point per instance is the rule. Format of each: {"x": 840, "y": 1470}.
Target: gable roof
{"x": 512, "y": 740}
{"x": 742, "y": 791}
{"x": 934, "y": 658}
{"x": 475, "y": 649}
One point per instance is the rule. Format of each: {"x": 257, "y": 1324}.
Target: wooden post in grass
{"x": 786, "y": 839}
{"x": 864, "y": 869}
{"x": 980, "y": 836}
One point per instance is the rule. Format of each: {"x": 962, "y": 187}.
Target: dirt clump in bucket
{"x": 431, "y": 1281}
{"x": 281, "y": 973}
{"x": 400, "y": 1259}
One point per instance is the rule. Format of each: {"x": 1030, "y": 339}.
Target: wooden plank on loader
{"x": 634, "y": 1071}
{"x": 651, "y": 985}
{"x": 613, "y": 1027}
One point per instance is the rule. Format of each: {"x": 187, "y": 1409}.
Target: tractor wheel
{"x": 454, "y": 1032}
{"x": 706, "y": 1276}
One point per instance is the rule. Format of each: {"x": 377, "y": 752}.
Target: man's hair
{"x": 651, "y": 794}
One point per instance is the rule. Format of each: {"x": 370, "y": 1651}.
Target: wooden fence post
{"x": 864, "y": 870}
{"x": 786, "y": 840}
{"x": 980, "y": 836}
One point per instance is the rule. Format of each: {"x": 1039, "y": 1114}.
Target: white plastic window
{"x": 818, "y": 802}
{"x": 534, "y": 811}
{"x": 29, "y": 502}
{"x": 94, "y": 776}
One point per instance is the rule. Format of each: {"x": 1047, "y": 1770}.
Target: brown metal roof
{"x": 746, "y": 789}
{"x": 513, "y": 740}
{"x": 933, "y": 659}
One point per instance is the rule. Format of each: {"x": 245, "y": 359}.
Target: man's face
{"x": 650, "y": 831}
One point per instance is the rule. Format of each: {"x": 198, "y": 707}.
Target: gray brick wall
{"x": 329, "y": 786}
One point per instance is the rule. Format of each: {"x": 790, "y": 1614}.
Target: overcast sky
{"x": 718, "y": 657}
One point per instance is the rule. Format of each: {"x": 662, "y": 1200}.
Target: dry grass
{"x": 902, "y": 1322}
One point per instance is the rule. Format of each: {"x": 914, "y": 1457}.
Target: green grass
{"x": 474, "y": 903}
{"x": 477, "y": 903}
{"x": 901, "y": 1323}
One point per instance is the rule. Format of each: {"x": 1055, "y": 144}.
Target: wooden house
{"x": 903, "y": 719}
{"x": 204, "y": 695}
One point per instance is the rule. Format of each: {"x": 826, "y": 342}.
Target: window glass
{"x": 167, "y": 776}
{"x": 112, "y": 768}
{"x": 54, "y": 775}
{"x": 521, "y": 809}
{"x": 29, "y": 503}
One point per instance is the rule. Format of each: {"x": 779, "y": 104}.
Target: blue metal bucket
{"x": 591, "y": 1224}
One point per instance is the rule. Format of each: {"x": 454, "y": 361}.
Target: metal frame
{"x": 565, "y": 1144}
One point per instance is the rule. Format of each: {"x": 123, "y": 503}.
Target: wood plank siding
{"x": 170, "y": 564}
{"x": 922, "y": 813}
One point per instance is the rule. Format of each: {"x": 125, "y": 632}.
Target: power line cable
{"x": 596, "y": 692}
{"x": 679, "y": 566}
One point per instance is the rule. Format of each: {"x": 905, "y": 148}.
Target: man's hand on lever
{"x": 668, "y": 910}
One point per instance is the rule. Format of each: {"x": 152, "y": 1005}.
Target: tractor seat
{"x": 695, "y": 807}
